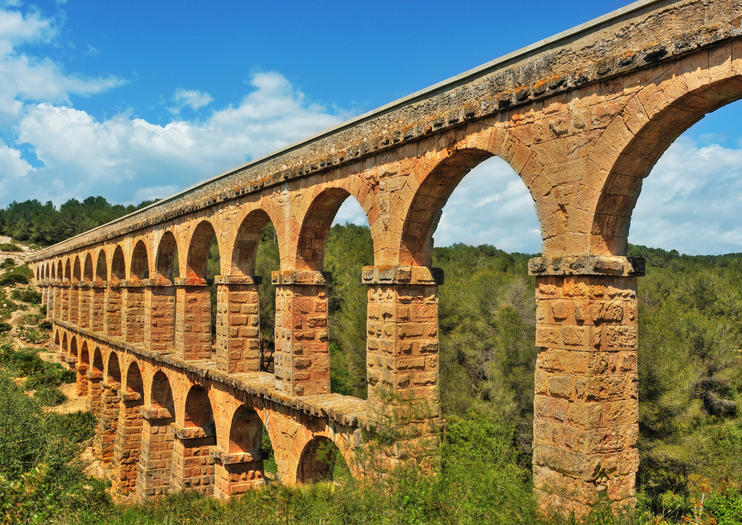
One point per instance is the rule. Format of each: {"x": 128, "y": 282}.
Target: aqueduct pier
{"x": 581, "y": 117}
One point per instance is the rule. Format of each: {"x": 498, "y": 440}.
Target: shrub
{"x": 7, "y": 263}
{"x": 5, "y": 327}
{"x": 17, "y": 275}
{"x": 10, "y": 247}
{"x": 31, "y": 335}
{"x": 50, "y": 396}
{"x": 27, "y": 295}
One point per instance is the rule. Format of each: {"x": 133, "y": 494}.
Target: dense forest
{"x": 690, "y": 365}
{"x": 44, "y": 224}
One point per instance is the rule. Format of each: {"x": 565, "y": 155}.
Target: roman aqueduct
{"x": 581, "y": 117}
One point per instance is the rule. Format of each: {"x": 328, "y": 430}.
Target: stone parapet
{"x": 608, "y": 265}
{"x": 401, "y": 275}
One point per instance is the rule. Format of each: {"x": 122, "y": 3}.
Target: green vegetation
{"x": 10, "y": 247}
{"x": 16, "y": 275}
{"x": 44, "y": 224}
{"x": 690, "y": 414}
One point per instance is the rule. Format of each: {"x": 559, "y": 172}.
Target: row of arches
{"x": 160, "y": 431}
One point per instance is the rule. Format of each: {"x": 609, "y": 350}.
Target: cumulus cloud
{"x": 125, "y": 157}
{"x": 692, "y": 200}
{"x": 191, "y": 98}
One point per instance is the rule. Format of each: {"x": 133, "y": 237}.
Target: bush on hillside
{"x": 27, "y": 295}
{"x": 17, "y": 275}
{"x": 10, "y": 247}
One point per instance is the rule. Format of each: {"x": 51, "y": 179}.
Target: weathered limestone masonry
{"x": 581, "y": 117}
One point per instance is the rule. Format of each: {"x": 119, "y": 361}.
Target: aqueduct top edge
{"x": 608, "y": 46}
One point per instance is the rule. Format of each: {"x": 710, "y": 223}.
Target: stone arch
{"x": 155, "y": 460}
{"x": 65, "y": 348}
{"x": 246, "y": 242}
{"x": 118, "y": 265}
{"x": 198, "y": 251}
{"x": 194, "y": 468}
{"x": 134, "y": 381}
{"x": 644, "y": 139}
{"x": 161, "y": 396}
{"x": 95, "y": 378}
{"x": 315, "y": 226}
{"x": 129, "y": 434}
{"x": 317, "y": 460}
{"x": 87, "y": 273}
{"x": 198, "y": 411}
{"x": 139, "y": 267}
{"x": 67, "y": 269}
{"x": 245, "y": 431}
{"x": 167, "y": 257}
{"x": 416, "y": 247}
{"x": 73, "y": 348}
{"x": 60, "y": 272}
{"x": 76, "y": 270}
{"x": 56, "y": 337}
{"x": 98, "y": 360}
{"x": 101, "y": 273}
{"x": 113, "y": 370}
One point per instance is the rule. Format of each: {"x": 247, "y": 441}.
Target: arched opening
{"x": 98, "y": 297}
{"x": 73, "y": 349}
{"x": 155, "y": 461}
{"x": 343, "y": 250}
{"x": 65, "y": 348}
{"x": 164, "y": 303}
{"x": 76, "y": 270}
{"x": 74, "y": 292}
{"x": 101, "y": 274}
{"x": 129, "y": 435}
{"x": 60, "y": 273}
{"x": 203, "y": 264}
{"x": 473, "y": 217}
{"x": 114, "y": 307}
{"x": 321, "y": 460}
{"x": 56, "y": 339}
{"x": 245, "y": 452}
{"x": 254, "y": 257}
{"x": 96, "y": 382}
{"x": 67, "y": 270}
{"x": 113, "y": 374}
{"x": 674, "y": 193}
{"x": 139, "y": 262}
{"x": 87, "y": 273}
{"x": 195, "y": 468}
{"x": 82, "y": 370}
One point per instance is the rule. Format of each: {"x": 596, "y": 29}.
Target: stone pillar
{"x": 402, "y": 339}
{"x": 586, "y": 410}
{"x": 65, "y": 301}
{"x": 193, "y": 466}
{"x": 113, "y": 314}
{"x": 160, "y": 310}
{"x": 84, "y": 291}
{"x": 302, "y": 354}
{"x": 154, "y": 471}
{"x": 127, "y": 445}
{"x": 107, "y": 422}
{"x": 74, "y": 302}
{"x": 133, "y": 321}
{"x": 82, "y": 376}
{"x": 236, "y": 473}
{"x": 51, "y": 298}
{"x": 238, "y": 324}
{"x": 95, "y": 391}
{"x": 97, "y": 307}
{"x": 193, "y": 319}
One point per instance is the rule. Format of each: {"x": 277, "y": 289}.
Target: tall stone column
{"x": 402, "y": 337}
{"x": 97, "y": 307}
{"x": 236, "y": 473}
{"x": 113, "y": 314}
{"x": 95, "y": 391}
{"x": 81, "y": 377}
{"x": 84, "y": 292}
{"x": 51, "y": 298}
{"x": 238, "y": 324}
{"x": 74, "y": 304}
{"x": 302, "y": 355}
{"x": 193, "y": 466}
{"x": 193, "y": 319}
{"x": 132, "y": 297}
{"x": 127, "y": 444}
{"x": 65, "y": 301}
{"x": 160, "y": 310}
{"x": 107, "y": 422}
{"x": 586, "y": 409}
{"x": 154, "y": 471}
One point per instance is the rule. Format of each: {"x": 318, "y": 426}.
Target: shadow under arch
{"x": 618, "y": 197}
{"x": 321, "y": 460}
{"x": 245, "y": 450}
{"x": 101, "y": 271}
{"x": 87, "y": 273}
{"x": 194, "y": 468}
{"x": 82, "y": 370}
{"x": 139, "y": 268}
{"x": 166, "y": 261}
{"x": 198, "y": 251}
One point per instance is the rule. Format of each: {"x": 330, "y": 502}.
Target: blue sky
{"x": 134, "y": 100}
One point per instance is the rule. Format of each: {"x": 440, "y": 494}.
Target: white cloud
{"x": 191, "y": 98}
{"x": 692, "y": 200}
{"x": 125, "y": 158}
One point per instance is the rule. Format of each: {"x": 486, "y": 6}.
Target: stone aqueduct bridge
{"x": 581, "y": 117}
